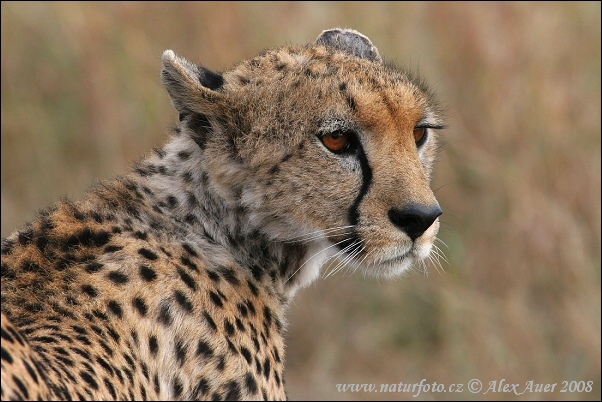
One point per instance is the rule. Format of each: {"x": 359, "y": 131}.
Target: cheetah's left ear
{"x": 192, "y": 88}
{"x": 350, "y": 41}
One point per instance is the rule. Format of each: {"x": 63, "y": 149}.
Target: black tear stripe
{"x": 354, "y": 214}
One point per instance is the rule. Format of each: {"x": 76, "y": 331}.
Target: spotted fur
{"x": 171, "y": 282}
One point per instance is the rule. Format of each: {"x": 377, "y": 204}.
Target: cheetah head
{"x": 324, "y": 145}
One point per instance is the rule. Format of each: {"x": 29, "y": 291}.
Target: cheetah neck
{"x": 182, "y": 192}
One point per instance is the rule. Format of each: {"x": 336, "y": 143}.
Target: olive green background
{"x": 518, "y": 179}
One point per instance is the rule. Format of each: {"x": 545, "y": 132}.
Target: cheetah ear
{"x": 192, "y": 88}
{"x": 350, "y": 41}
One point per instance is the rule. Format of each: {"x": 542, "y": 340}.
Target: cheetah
{"x": 172, "y": 281}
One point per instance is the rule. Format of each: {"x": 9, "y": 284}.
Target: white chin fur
{"x": 317, "y": 254}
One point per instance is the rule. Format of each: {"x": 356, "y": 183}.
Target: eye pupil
{"x": 336, "y": 141}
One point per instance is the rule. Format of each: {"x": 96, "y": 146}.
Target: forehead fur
{"x": 296, "y": 68}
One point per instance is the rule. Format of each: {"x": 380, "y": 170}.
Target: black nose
{"x": 414, "y": 219}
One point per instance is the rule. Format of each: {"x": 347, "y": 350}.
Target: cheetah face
{"x": 323, "y": 145}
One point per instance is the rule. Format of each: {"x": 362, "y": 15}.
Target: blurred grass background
{"x": 519, "y": 178}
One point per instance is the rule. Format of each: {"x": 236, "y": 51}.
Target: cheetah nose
{"x": 415, "y": 219}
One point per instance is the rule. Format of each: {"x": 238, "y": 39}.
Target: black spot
{"x": 228, "y": 327}
{"x": 147, "y": 273}
{"x": 229, "y": 275}
{"x": 213, "y": 276}
{"x": 257, "y": 272}
{"x": 258, "y": 365}
{"x": 216, "y": 299}
{"x": 239, "y": 324}
{"x": 146, "y": 253}
{"x": 112, "y": 248}
{"x": 184, "y": 155}
{"x": 113, "y": 334}
{"x": 89, "y": 379}
{"x": 115, "y": 308}
{"x": 177, "y": 388}
{"x": 342, "y": 86}
{"x": 183, "y": 301}
{"x": 221, "y": 363}
{"x": 145, "y": 370}
{"x": 200, "y": 389}
{"x": 256, "y": 343}
{"x": 203, "y": 349}
{"x": 92, "y": 267}
{"x": 110, "y": 388}
{"x": 6, "y": 355}
{"x": 42, "y": 241}
{"x": 117, "y": 277}
{"x": 251, "y": 308}
{"x": 153, "y": 345}
{"x": 201, "y": 128}
{"x": 7, "y": 246}
{"x": 286, "y": 157}
{"x": 277, "y": 356}
{"x": 187, "y": 177}
{"x": 180, "y": 352}
{"x": 172, "y": 202}
{"x": 242, "y": 309}
{"x": 189, "y": 249}
{"x": 187, "y": 279}
{"x": 90, "y": 290}
{"x": 277, "y": 377}
{"x": 210, "y": 321}
{"x": 100, "y": 314}
{"x": 86, "y": 238}
{"x": 167, "y": 253}
{"x": 246, "y": 354}
{"x": 83, "y": 340}
{"x": 130, "y": 361}
{"x": 25, "y": 236}
{"x": 252, "y": 288}
{"x": 165, "y": 317}
{"x": 160, "y": 152}
{"x": 251, "y": 384}
{"x": 157, "y": 385}
{"x": 30, "y": 266}
{"x": 267, "y": 314}
{"x": 66, "y": 360}
{"x": 31, "y": 371}
{"x": 105, "y": 365}
{"x": 140, "y": 305}
{"x": 190, "y": 219}
{"x": 186, "y": 261}
{"x": 81, "y": 352}
{"x": 266, "y": 369}
{"x": 233, "y": 391}
{"x": 22, "y": 387}
{"x": 134, "y": 335}
{"x": 140, "y": 235}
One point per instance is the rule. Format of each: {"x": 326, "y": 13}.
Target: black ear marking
{"x": 209, "y": 79}
{"x": 350, "y": 41}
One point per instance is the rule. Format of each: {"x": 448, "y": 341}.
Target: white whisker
{"x": 348, "y": 258}
{"x": 309, "y": 259}
{"x": 318, "y": 234}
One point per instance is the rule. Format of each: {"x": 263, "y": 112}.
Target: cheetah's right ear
{"x": 349, "y": 41}
{"x": 192, "y": 88}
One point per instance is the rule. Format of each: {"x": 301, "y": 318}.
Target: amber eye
{"x": 337, "y": 141}
{"x": 419, "y": 135}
